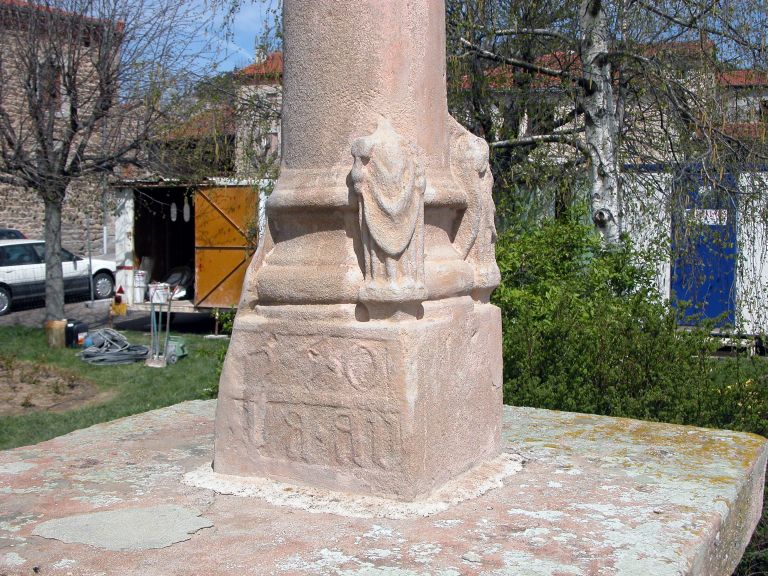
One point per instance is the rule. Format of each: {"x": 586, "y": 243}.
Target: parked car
{"x": 22, "y": 273}
{"x": 11, "y": 234}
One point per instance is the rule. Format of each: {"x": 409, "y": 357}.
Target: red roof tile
{"x": 743, "y": 78}
{"x": 271, "y": 66}
{"x": 219, "y": 121}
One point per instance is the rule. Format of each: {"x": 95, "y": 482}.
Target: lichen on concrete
{"x": 635, "y": 498}
{"x": 15, "y": 468}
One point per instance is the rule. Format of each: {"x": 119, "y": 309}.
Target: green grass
{"x": 137, "y": 387}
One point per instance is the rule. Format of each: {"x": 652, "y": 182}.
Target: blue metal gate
{"x": 705, "y": 250}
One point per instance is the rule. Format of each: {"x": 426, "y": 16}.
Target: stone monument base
{"x": 590, "y": 495}
{"x": 362, "y": 405}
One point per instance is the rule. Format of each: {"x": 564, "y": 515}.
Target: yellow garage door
{"x": 223, "y": 246}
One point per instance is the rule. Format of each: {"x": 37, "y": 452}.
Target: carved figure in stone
{"x": 390, "y": 183}
{"x": 476, "y": 236}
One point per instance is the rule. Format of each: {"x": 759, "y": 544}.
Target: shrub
{"x": 225, "y": 319}
{"x": 586, "y": 330}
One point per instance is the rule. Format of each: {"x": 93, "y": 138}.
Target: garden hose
{"x": 110, "y": 347}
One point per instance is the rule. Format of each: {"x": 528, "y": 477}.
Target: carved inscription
{"x": 325, "y": 400}
{"x": 346, "y": 446}
{"x": 389, "y": 181}
{"x": 332, "y": 435}
{"x": 295, "y": 435}
{"x": 321, "y": 368}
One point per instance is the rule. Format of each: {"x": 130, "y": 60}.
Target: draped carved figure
{"x": 476, "y": 236}
{"x": 389, "y": 182}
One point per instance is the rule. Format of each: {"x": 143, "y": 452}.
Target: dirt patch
{"x": 28, "y": 387}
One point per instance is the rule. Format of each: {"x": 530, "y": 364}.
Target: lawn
{"x": 129, "y": 389}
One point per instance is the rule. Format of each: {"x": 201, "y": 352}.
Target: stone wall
{"x": 23, "y": 210}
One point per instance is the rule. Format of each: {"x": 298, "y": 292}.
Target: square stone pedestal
{"x": 385, "y": 408}
{"x": 595, "y": 496}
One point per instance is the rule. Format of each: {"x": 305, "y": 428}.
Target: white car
{"x": 22, "y": 273}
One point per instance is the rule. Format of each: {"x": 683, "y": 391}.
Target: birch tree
{"x": 597, "y": 84}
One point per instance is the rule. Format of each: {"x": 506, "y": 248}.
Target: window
{"x": 18, "y": 255}
{"x": 66, "y": 255}
{"x": 40, "y": 249}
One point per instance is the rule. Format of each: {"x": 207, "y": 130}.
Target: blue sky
{"x": 238, "y": 49}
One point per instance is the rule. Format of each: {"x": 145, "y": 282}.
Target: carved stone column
{"x": 365, "y": 356}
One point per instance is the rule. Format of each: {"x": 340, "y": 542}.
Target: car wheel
{"x": 103, "y": 285}
{"x": 5, "y": 301}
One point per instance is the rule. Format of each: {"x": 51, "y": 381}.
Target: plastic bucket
{"x": 159, "y": 293}
{"x": 139, "y": 285}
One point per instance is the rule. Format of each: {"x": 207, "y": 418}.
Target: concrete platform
{"x": 590, "y": 496}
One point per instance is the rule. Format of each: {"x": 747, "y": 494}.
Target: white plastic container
{"x": 139, "y": 285}
{"x": 159, "y": 293}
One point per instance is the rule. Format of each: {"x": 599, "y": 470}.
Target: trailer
{"x": 205, "y": 233}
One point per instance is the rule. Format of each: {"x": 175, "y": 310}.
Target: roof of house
{"x": 568, "y": 61}
{"x": 32, "y": 7}
{"x": 742, "y": 78}
{"x": 502, "y": 76}
{"x": 269, "y": 69}
{"x": 211, "y": 122}
{"x": 221, "y": 120}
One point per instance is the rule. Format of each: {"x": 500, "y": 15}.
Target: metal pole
{"x": 90, "y": 258}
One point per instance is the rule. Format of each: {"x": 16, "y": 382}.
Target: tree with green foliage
{"x": 586, "y": 330}
{"x": 579, "y": 89}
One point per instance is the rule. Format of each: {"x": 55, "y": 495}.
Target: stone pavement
{"x": 592, "y": 496}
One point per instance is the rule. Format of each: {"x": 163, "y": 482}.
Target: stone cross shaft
{"x": 365, "y": 354}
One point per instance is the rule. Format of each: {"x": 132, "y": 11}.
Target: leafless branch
{"x": 695, "y": 23}
{"x": 561, "y": 137}
{"x": 535, "y": 32}
{"x": 531, "y": 67}
{"x": 12, "y": 180}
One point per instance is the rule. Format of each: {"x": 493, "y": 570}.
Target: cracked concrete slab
{"x": 128, "y": 528}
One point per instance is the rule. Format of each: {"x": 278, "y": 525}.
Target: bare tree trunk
{"x": 54, "y": 277}
{"x": 601, "y": 127}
